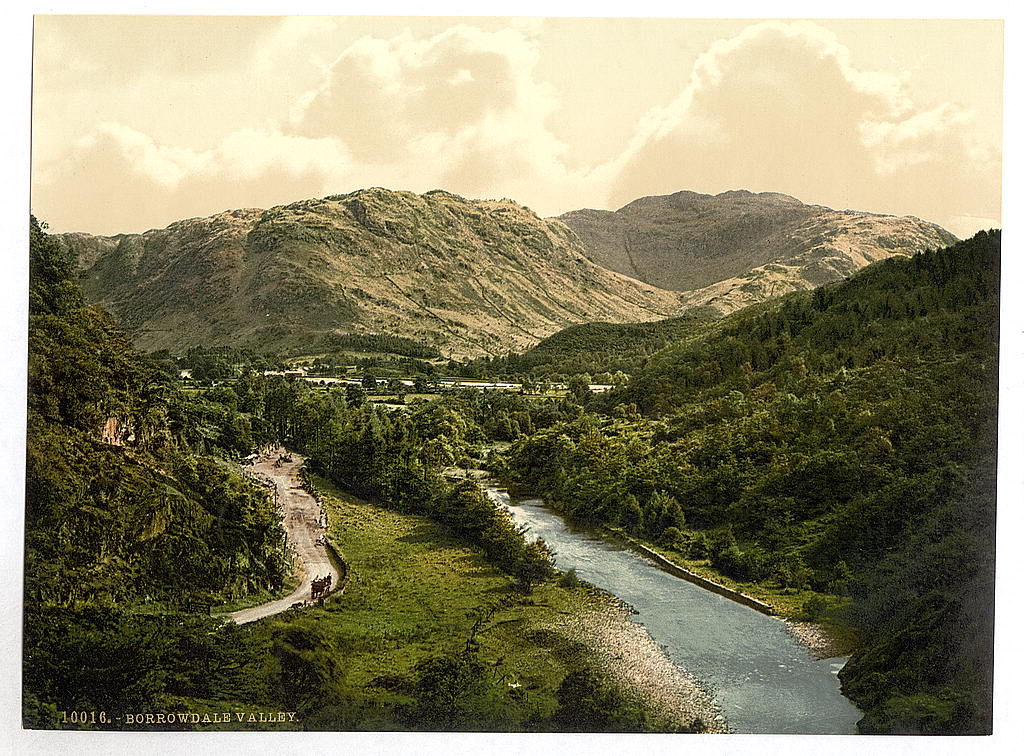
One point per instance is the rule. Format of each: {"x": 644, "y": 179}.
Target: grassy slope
{"x": 412, "y": 593}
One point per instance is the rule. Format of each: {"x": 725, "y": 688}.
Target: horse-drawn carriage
{"x": 321, "y": 587}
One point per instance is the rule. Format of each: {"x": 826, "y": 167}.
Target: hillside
{"x": 130, "y": 533}
{"x": 469, "y": 277}
{"x": 736, "y": 248}
{"x": 593, "y": 348}
{"x": 834, "y": 450}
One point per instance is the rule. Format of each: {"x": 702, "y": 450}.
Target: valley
{"x": 806, "y": 449}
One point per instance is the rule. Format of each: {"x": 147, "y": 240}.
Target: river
{"x": 763, "y": 679}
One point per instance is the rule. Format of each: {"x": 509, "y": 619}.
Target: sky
{"x": 138, "y": 121}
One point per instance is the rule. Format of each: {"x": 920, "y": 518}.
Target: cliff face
{"x": 733, "y": 249}
{"x": 471, "y": 277}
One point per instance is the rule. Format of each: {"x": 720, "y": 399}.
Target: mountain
{"x": 736, "y": 248}
{"x": 472, "y": 277}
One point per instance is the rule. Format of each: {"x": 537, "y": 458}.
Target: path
{"x": 304, "y": 523}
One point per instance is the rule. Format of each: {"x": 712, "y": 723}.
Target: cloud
{"x": 289, "y": 37}
{"x": 125, "y": 178}
{"x": 464, "y": 110}
{"x": 780, "y": 107}
{"x": 381, "y": 95}
{"x": 460, "y": 110}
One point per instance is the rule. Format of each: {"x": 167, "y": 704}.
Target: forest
{"x": 834, "y": 447}
{"x": 841, "y": 440}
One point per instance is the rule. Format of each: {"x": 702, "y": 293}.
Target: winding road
{"x": 305, "y": 525}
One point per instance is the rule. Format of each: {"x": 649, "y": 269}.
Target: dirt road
{"x": 305, "y": 524}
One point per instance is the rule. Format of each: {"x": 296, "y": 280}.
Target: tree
{"x": 441, "y": 684}
{"x": 355, "y": 395}
{"x": 579, "y": 387}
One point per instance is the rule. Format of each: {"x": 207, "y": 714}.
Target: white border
{"x": 16, "y": 49}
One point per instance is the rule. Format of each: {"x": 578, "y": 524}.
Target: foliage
{"x": 374, "y": 342}
{"x": 590, "y": 348}
{"x": 587, "y": 703}
{"x": 122, "y": 513}
{"x": 833, "y": 439}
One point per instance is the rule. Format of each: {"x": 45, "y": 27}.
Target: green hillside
{"x": 128, "y": 532}
{"x": 840, "y": 442}
{"x": 394, "y": 269}
{"x": 594, "y": 348}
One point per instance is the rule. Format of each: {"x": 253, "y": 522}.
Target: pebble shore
{"x": 815, "y": 639}
{"x": 626, "y": 652}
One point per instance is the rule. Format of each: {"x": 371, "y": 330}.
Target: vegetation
{"x": 841, "y": 440}
{"x": 134, "y": 530}
{"x": 367, "y": 342}
{"x": 121, "y": 514}
{"x": 393, "y": 458}
{"x": 831, "y": 452}
{"x": 431, "y": 636}
{"x": 590, "y": 348}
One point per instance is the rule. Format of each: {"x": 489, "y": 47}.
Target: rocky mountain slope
{"x": 471, "y": 277}
{"x": 736, "y": 248}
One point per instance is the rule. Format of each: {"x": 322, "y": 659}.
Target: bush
{"x": 672, "y": 537}
{"x": 569, "y": 579}
{"x": 813, "y": 609}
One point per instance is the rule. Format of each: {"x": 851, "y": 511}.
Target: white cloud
{"x": 124, "y": 177}
{"x": 381, "y": 95}
{"x": 289, "y": 38}
{"x": 778, "y": 107}
{"x": 781, "y": 107}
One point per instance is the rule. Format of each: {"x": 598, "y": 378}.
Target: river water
{"x": 763, "y": 679}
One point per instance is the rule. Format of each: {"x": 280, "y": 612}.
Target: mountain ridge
{"x": 470, "y": 276}
{"x": 738, "y": 247}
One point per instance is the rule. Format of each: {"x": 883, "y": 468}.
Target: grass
{"x": 788, "y": 603}
{"x": 414, "y": 592}
{"x": 291, "y": 582}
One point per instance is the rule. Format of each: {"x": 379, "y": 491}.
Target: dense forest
{"x": 130, "y": 535}
{"x": 591, "y": 348}
{"x": 841, "y": 440}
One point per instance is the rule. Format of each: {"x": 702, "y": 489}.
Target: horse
{"x": 320, "y": 587}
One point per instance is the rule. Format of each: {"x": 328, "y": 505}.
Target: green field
{"x": 415, "y": 593}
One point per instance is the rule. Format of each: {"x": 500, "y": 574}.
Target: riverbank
{"x": 823, "y": 640}
{"x": 762, "y": 678}
{"x": 681, "y": 572}
{"x": 414, "y": 593}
